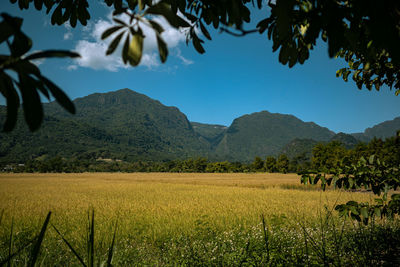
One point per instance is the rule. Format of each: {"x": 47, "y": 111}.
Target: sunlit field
{"x": 158, "y": 213}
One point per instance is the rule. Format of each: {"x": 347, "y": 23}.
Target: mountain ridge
{"x": 132, "y": 126}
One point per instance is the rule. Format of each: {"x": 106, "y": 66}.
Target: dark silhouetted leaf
{"x": 70, "y": 247}
{"x": 197, "y": 44}
{"x": 111, "y": 248}
{"x": 162, "y": 48}
{"x": 36, "y": 248}
{"x": 52, "y": 53}
{"x": 204, "y": 31}
{"x": 31, "y": 103}
{"x": 125, "y": 50}
{"x": 12, "y": 98}
{"x": 113, "y": 45}
{"x": 110, "y": 31}
{"x": 157, "y": 27}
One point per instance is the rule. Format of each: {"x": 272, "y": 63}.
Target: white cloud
{"x": 184, "y": 60}
{"x": 93, "y": 56}
{"x": 72, "y": 67}
{"x": 38, "y": 61}
{"x": 68, "y": 35}
{"x": 93, "y": 49}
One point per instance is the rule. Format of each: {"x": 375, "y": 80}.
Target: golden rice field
{"x": 159, "y": 204}
{"x": 184, "y": 219}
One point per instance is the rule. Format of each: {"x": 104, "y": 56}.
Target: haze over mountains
{"x": 130, "y": 126}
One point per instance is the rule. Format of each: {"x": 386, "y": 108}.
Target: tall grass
{"x": 329, "y": 242}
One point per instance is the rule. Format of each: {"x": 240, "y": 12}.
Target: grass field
{"x": 160, "y": 213}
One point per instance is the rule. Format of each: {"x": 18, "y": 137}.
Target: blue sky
{"x": 235, "y": 76}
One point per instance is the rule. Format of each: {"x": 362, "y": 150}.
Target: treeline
{"x": 199, "y": 165}
{"x": 333, "y": 154}
{"x": 324, "y": 157}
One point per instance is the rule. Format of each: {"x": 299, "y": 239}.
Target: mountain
{"x": 384, "y": 129}
{"x": 210, "y": 132}
{"x": 130, "y": 126}
{"x": 264, "y": 133}
{"x": 122, "y": 124}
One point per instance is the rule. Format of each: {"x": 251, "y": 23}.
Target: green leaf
{"x": 371, "y": 159}
{"x": 339, "y": 72}
{"x": 364, "y": 212}
{"x": 136, "y": 49}
{"x": 377, "y": 212}
{"x": 141, "y": 4}
{"x": 113, "y": 45}
{"x": 110, "y": 31}
{"x": 395, "y": 197}
{"x": 162, "y": 48}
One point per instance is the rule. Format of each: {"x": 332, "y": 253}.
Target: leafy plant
{"x": 371, "y": 174}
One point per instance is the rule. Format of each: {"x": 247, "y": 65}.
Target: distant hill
{"x": 130, "y": 126}
{"x": 384, "y": 129}
{"x": 122, "y": 124}
{"x": 264, "y": 133}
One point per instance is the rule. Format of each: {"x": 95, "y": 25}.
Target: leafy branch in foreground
{"x": 372, "y": 175}
{"x": 26, "y": 76}
{"x": 366, "y": 34}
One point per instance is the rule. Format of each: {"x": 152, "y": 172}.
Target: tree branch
{"x": 241, "y": 31}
